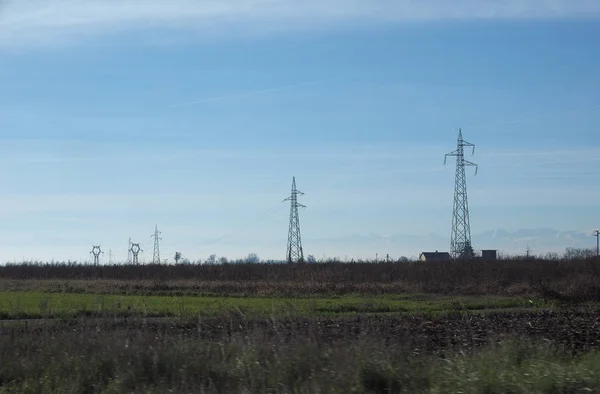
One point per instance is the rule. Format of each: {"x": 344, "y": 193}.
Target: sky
{"x": 116, "y": 116}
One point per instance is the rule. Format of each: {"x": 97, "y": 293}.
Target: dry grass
{"x": 371, "y": 355}
{"x": 525, "y": 351}
{"x": 569, "y": 280}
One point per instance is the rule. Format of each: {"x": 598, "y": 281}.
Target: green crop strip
{"x": 19, "y": 305}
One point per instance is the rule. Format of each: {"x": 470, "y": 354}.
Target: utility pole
{"x": 156, "y": 254}
{"x": 294, "y": 248}
{"x": 597, "y": 235}
{"x": 96, "y": 251}
{"x": 460, "y": 240}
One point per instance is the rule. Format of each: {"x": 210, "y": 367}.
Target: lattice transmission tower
{"x": 96, "y": 252}
{"x": 460, "y": 240}
{"x": 294, "y": 247}
{"x": 135, "y": 250}
{"x": 129, "y": 260}
{"x": 156, "y": 254}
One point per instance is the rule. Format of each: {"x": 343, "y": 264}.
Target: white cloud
{"x": 39, "y": 22}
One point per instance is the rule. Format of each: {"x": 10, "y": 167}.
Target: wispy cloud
{"x": 251, "y": 93}
{"x": 40, "y": 22}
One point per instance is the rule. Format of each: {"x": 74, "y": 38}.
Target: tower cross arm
{"x": 465, "y": 143}
{"x": 469, "y": 164}
{"x": 451, "y": 154}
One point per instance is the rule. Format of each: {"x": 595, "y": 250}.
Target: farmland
{"x": 471, "y": 327}
{"x": 23, "y": 305}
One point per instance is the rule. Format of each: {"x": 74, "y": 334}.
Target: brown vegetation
{"x": 414, "y": 352}
{"x": 566, "y": 280}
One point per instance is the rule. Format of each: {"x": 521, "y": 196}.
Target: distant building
{"x": 489, "y": 254}
{"x": 434, "y": 256}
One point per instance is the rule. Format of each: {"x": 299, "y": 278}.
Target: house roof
{"x": 435, "y": 254}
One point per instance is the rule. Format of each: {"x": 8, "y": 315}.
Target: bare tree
{"x": 579, "y": 253}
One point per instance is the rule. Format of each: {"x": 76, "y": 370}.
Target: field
{"x": 465, "y": 327}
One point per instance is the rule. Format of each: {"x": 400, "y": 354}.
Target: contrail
{"x": 251, "y": 93}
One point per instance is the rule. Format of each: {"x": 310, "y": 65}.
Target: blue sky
{"x": 119, "y": 115}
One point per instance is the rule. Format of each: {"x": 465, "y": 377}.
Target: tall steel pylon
{"x": 460, "y": 240}
{"x": 294, "y": 247}
{"x": 156, "y": 254}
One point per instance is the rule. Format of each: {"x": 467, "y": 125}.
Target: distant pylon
{"x": 294, "y": 248}
{"x": 460, "y": 240}
{"x": 156, "y": 254}
{"x": 129, "y": 261}
{"x": 96, "y": 251}
{"x": 135, "y": 251}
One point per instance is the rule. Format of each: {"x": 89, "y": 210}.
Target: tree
{"x": 553, "y": 256}
{"x": 252, "y": 258}
{"x": 467, "y": 253}
{"x": 311, "y": 259}
{"x": 579, "y": 253}
{"x": 223, "y": 260}
{"x": 212, "y": 259}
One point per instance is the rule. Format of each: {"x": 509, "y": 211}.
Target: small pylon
{"x": 156, "y": 254}
{"x": 135, "y": 252}
{"x": 294, "y": 248}
{"x": 96, "y": 252}
{"x": 129, "y": 260}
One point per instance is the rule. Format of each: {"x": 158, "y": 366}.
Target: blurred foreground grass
{"x": 91, "y": 360}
